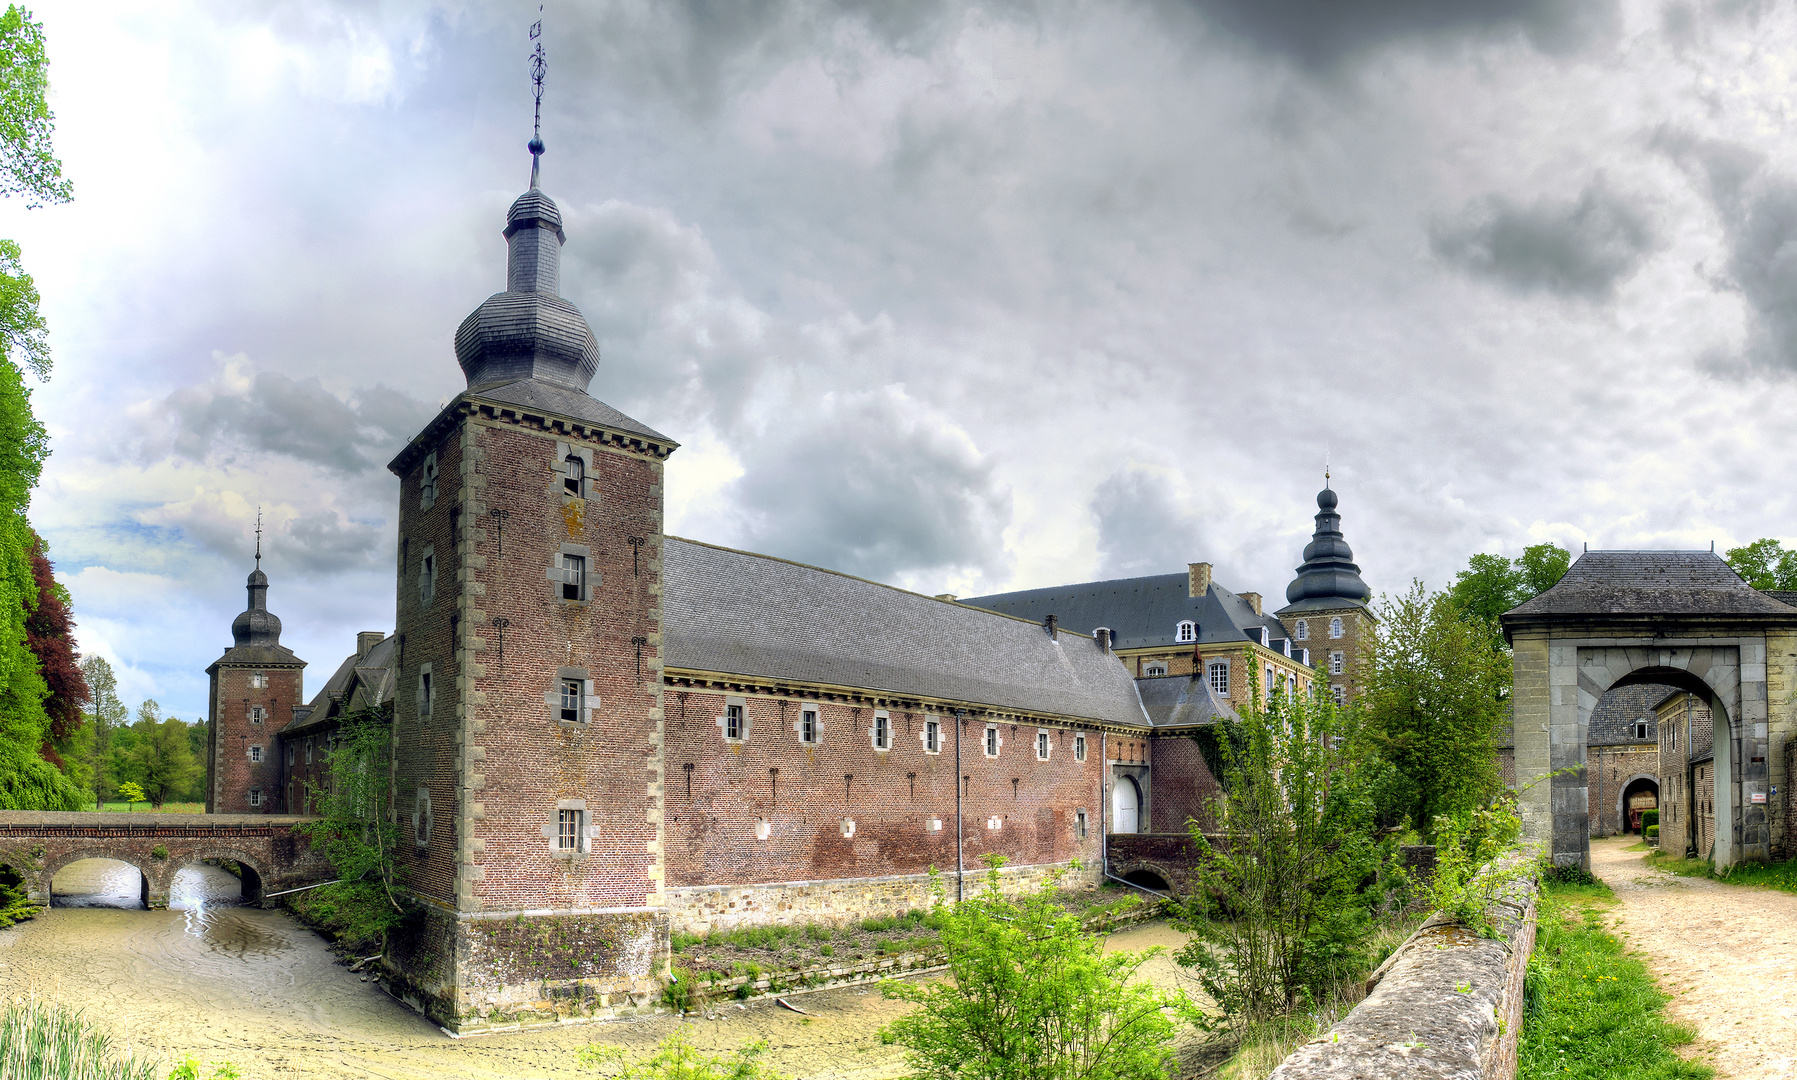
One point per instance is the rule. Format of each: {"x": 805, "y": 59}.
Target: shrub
{"x": 1653, "y": 832}
{"x": 1650, "y": 819}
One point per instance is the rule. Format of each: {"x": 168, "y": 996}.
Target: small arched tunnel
{"x": 1641, "y": 794}
{"x": 1148, "y": 879}
{"x": 215, "y": 879}
{"x": 96, "y": 881}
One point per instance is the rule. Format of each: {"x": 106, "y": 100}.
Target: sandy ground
{"x": 258, "y": 989}
{"x": 1726, "y": 953}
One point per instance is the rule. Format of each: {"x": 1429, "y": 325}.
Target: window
{"x": 1304, "y": 657}
{"x": 424, "y": 693}
{"x": 1262, "y": 637}
{"x": 1188, "y": 631}
{"x": 882, "y": 731}
{"x": 259, "y": 680}
{"x": 848, "y": 827}
{"x": 1302, "y": 630}
{"x": 1339, "y": 693}
{"x": 567, "y": 829}
{"x": 1672, "y": 738}
{"x": 1338, "y": 663}
{"x": 573, "y": 691}
{"x": 1218, "y": 673}
{"x": 289, "y": 754}
{"x": 1272, "y": 683}
{"x": 427, "y": 482}
{"x": 1335, "y": 627}
{"x": 932, "y": 736}
{"x": 733, "y": 722}
{"x": 427, "y": 576}
{"x": 1640, "y": 729}
{"x": 573, "y": 576}
{"x": 1285, "y": 645}
{"x": 1079, "y": 823}
{"x": 807, "y": 725}
{"x": 256, "y": 753}
{"x": 1154, "y": 669}
{"x": 1079, "y": 749}
{"x": 308, "y": 751}
{"x": 256, "y": 714}
{"x": 255, "y": 796}
{"x": 991, "y": 740}
{"x": 1041, "y": 746}
{"x": 574, "y": 476}
{"x": 421, "y": 818}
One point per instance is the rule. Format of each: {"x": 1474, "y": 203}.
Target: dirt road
{"x": 1726, "y": 953}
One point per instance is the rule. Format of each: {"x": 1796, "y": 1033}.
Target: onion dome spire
{"x": 1328, "y": 571}
{"x": 257, "y": 625}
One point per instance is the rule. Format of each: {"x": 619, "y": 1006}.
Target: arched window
{"x": 1154, "y": 669}
{"x": 1335, "y": 627}
{"x": 574, "y": 475}
{"x": 1302, "y": 630}
{"x": 1188, "y": 631}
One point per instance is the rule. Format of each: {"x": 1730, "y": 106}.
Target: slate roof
{"x": 359, "y": 682}
{"x": 733, "y": 612}
{"x": 1651, "y": 583}
{"x": 1143, "y": 612}
{"x": 1182, "y": 701}
{"x": 1613, "y": 719}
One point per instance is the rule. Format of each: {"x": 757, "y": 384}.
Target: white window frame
{"x": 257, "y": 714}
{"x": 1154, "y": 669}
{"x": 1272, "y": 683}
{"x": 1336, "y": 628}
{"x": 1079, "y": 747}
{"x": 1338, "y": 663}
{"x": 993, "y": 742}
{"x": 1212, "y": 670}
{"x": 258, "y": 680}
{"x": 734, "y": 717}
{"x": 1265, "y": 637}
{"x": 1079, "y": 824}
{"x": 255, "y": 796}
{"x": 573, "y": 700}
{"x": 574, "y": 479}
{"x": 1339, "y": 693}
{"x": 807, "y": 726}
{"x": 1187, "y": 631}
{"x": 931, "y": 735}
{"x": 255, "y": 752}
{"x": 1302, "y": 630}
{"x": 1044, "y": 745}
{"x": 881, "y": 732}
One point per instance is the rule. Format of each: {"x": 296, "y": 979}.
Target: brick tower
{"x": 527, "y": 717}
{"x": 256, "y": 685}
{"x": 1326, "y": 610}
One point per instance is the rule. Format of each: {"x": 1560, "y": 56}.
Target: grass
{"x": 44, "y": 1041}
{"x": 1777, "y": 875}
{"x": 144, "y": 808}
{"x": 1590, "y": 1009}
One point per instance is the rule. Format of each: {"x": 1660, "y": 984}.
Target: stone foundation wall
{"x": 703, "y": 909}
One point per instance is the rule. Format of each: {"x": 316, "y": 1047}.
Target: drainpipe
{"x": 1104, "y": 827}
{"x": 960, "y": 869}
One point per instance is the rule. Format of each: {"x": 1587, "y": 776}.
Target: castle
{"x": 603, "y": 733}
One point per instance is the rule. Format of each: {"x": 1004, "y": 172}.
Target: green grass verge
{"x": 1591, "y": 1010}
{"x": 40, "y": 1040}
{"x": 1778, "y": 875}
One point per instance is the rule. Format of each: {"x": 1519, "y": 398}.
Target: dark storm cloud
{"x": 872, "y": 485}
{"x": 271, "y": 413}
{"x": 321, "y": 541}
{"x": 1581, "y": 247}
{"x": 1323, "y": 33}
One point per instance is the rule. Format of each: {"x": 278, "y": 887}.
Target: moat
{"x": 223, "y": 982}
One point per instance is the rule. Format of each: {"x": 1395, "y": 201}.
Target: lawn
{"x": 1777, "y": 875}
{"x": 1592, "y": 1010}
{"x": 144, "y": 808}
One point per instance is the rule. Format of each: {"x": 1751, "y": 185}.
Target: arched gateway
{"x": 1679, "y": 618}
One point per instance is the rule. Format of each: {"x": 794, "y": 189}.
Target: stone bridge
{"x": 1159, "y": 861}
{"x": 37, "y": 844}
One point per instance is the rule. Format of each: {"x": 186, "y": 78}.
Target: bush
{"x": 1650, "y": 819}
{"x": 1653, "y": 832}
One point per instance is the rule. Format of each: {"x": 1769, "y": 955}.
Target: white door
{"x": 1126, "y": 805}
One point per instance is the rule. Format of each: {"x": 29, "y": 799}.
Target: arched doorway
{"x": 98, "y": 882}
{"x": 1126, "y": 805}
{"x": 1639, "y": 795}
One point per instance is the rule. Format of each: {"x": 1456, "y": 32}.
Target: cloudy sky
{"x": 958, "y": 296}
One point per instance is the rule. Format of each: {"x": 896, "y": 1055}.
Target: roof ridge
{"x": 867, "y": 581}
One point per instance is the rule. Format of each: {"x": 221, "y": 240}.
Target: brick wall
{"x": 1184, "y": 788}
{"x": 234, "y": 736}
{"x": 1357, "y": 633}
{"x": 1608, "y": 770}
{"x": 1704, "y": 808}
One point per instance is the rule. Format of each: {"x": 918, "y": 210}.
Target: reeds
{"x": 41, "y": 1040}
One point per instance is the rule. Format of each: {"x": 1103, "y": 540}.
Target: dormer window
{"x": 1302, "y": 630}
{"x": 1264, "y": 637}
{"x": 1286, "y": 643}
{"x": 1640, "y": 729}
{"x": 574, "y": 476}
{"x": 1187, "y": 631}
{"x": 1154, "y": 669}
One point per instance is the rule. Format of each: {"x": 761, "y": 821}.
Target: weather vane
{"x": 258, "y": 538}
{"x": 539, "y": 66}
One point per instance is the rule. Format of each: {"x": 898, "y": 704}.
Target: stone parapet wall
{"x": 704, "y": 909}
{"x": 1448, "y": 1003}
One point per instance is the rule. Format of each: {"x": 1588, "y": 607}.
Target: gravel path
{"x": 1726, "y": 953}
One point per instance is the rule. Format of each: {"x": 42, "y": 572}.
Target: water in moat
{"x": 224, "y": 982}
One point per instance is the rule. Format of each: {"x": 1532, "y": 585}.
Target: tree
{"x": 158, "y": 758}
{"x": 1491, "y": 584}
{"x": 1274, "y": 909}
{"x": 106, "y": 716}
{"x": 1765, "y": 564}
{"x": 1434, "y": 699}
{"x": 132, "y": 794}
{"x": 49, "y": 633}
{"x": 1033, "y": 996}
{"x": 1541, "y": 567}
{"x": 358, "y": 832}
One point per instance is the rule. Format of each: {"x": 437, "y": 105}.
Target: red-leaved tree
{"x": 49, "y": 633}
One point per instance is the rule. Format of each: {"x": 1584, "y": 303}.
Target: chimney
{"x": 1253, "y": 599}
{"x": 1102, "y": 635}
{"x": 1197, "y": 579}
{"x": 366, "y": 640}
{"x": 949, "y": 596}
{"x": 1050, "y": 624}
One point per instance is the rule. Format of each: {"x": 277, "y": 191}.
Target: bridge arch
{"x": 54, "y": 865}
{"x": 255, "y": 871}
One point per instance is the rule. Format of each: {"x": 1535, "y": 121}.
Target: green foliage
{"x": 189, "y": 1069}
{"x": 677, "y": 1059}
{"x": 1541, "y": 566}
{"x": 156, "y": 756}
{"x": 1491, "y": 584}
{"x": 1781, "y": 875}
{"x": 1033, "y": 997}
{"x": 40, "y": 1040}
{"x": 1591, "y": 1009}
{"x": 15, "y": 903}
{"x": 131, "y": 793}
{"x": 358, "y": 832}
{"x": 1469, "y": 873}
{"x": 1650, "y": 818}
{"x": 159, "y": 853}
{"x": 682, "y": 992}
{"x": 27, "y": 164}
{"x": 1765, "y": 564}
{"x": 1274, "y": 909}
{"x": 106, "y": 714}
{"x": 1651, "y": 832}
{"x": 1434, "y": 702}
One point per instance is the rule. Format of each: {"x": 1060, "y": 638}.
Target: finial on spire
{"x": 258, "y": 538}
{"x": 1325, "y": 468}
{"x": 539, "y": 66}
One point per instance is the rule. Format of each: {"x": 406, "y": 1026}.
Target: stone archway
{"x": 253, "y": 871}
{"x": 1634, "y": 784}
{"x": 46, "y": 877}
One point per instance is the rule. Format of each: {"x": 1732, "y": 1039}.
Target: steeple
{"x": 528, "y": 331}
{"x": 1328, "y": 572}
{"x": 257, "y": 625}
